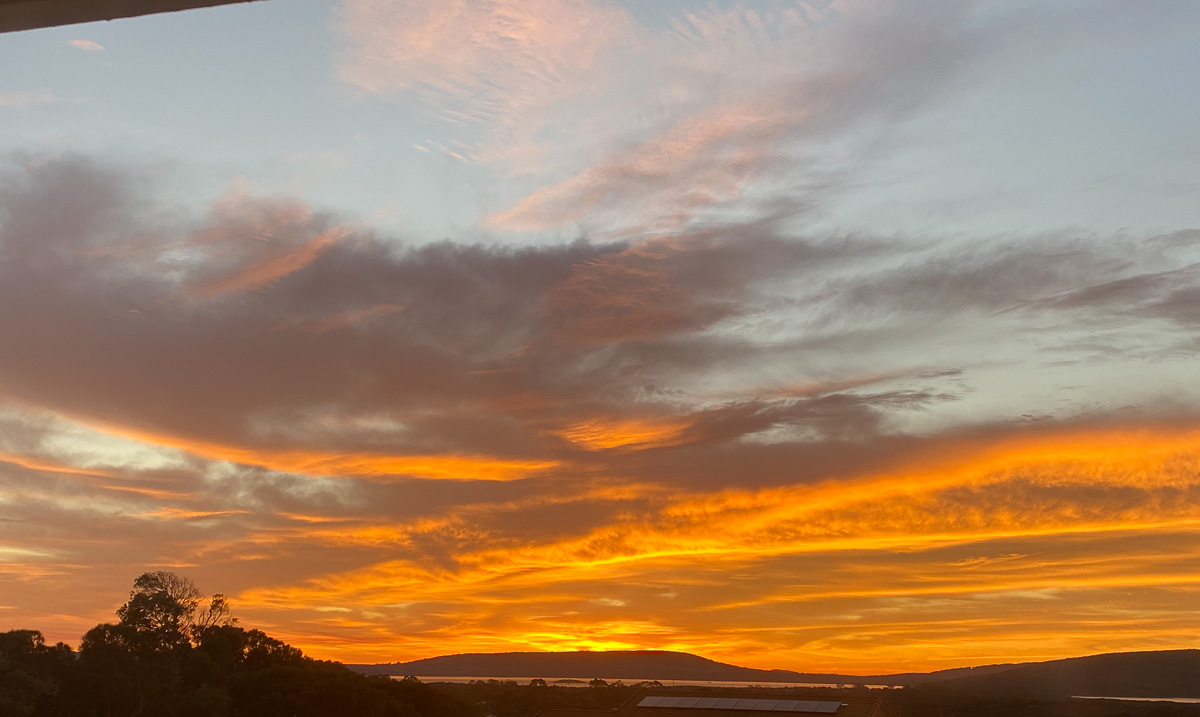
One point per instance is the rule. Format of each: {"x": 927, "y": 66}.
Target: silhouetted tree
{"x": 217, "y": 614}
{"x": 171, "y": 655}
{"x": 30, "y": 671}
{"x": 164, "y": 611}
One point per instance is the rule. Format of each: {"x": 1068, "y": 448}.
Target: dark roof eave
{"x": 17, "y": 15}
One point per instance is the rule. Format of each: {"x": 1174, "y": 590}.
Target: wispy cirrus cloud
{"x": 745, "y": 131}
{"x": 462, "y": 47}
{"x": 24, "y": 99}
{"x": 501, "y": 63}
{"x": 721, "y": 108}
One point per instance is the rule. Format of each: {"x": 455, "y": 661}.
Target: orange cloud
{"x": 39, "y": 464}
{"x": 1074, "y": 503}
{"x": 315, "y": 463}
{"x": 603, "y": 434}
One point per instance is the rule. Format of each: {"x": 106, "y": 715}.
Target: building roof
{"x": 848, "y": 705}
{"x": 31, "y": 14}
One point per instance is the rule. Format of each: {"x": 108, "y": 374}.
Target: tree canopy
{"x": 172, "y": 653}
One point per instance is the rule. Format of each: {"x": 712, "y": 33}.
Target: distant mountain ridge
{"x": 1163, "y": 674}
{"x": 659, "y": 665}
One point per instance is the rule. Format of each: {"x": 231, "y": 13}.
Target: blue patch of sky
{"x": 241, "y": 90}
{"x": 1085, "y": 118}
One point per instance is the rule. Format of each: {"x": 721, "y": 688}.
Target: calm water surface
{"x": 583, "y": 681}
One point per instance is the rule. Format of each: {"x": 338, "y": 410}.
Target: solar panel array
{"x": 729, "y": 703}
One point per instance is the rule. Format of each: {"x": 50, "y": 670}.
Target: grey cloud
{"x": 105, "y": 325}
{"x": 832, "y": 416}
{"x": 989, "y": 279}
{"x": 373, "y": 346}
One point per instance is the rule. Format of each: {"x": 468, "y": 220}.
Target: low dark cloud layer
{"x": 246, "y": 326}
{"x": 263, "y": 325}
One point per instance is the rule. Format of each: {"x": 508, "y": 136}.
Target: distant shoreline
{"x": 583, "y": 681}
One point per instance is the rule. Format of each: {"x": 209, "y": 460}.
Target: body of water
{"x": 583, "y": 681}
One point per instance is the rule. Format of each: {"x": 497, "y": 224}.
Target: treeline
{"x": 169, "y": 655}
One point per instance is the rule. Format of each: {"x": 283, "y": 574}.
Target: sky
{"x": 825, "y": 335}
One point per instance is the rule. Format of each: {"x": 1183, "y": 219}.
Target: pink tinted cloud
{"x": 86, "y": 45}
{"x": 518, "y": 68}
{"x": 273, "y": 267}
{"x": 506, "y": 67}
{"x": 702, "y": 161}
{"x": 735, "y": 128}
{"x": 476, "y": 60}
{"x": 457, "y": 45}
{"x": 251, "y": 242}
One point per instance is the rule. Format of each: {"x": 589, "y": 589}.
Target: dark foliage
{"x": 30, "y": 672}
{"x": 167, "y": 656}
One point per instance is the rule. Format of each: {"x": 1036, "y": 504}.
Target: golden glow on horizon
{"x": 1125, "y": 486}
{"x": 950, "y": 556}
{"x": 954, "y": 558}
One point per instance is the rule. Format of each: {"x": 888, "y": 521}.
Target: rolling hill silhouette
{"x": 632, "y": 665}
{"x": 1167, "y": 673}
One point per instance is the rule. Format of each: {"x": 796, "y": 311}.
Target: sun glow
{"x": 736, "y": 554}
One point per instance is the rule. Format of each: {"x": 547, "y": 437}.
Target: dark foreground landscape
{"x": 169, "y": 655}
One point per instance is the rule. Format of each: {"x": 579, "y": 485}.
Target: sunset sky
{"x": 824, "y": 335}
